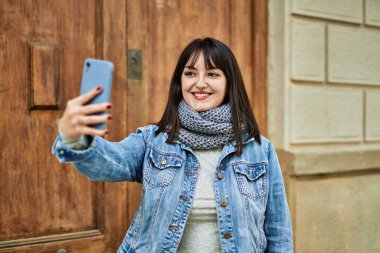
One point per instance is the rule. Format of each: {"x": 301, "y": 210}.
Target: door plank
{"x": 137, "y": 95}
{"x": 114, "y": 49}
{"x": 259, "y": 92}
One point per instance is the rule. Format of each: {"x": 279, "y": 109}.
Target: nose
{"x": 201, "y": 83}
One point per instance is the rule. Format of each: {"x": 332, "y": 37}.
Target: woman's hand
{"x": 77, "y": 116}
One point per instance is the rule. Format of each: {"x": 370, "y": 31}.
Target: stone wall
{"x": 324, "y": 119}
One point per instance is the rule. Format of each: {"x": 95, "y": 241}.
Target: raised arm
{"x": 96, "y": 158}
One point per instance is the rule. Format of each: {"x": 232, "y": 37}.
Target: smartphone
{"x": 97, "y": 73}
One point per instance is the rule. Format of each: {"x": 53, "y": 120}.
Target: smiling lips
{"x": 201, "y": 95}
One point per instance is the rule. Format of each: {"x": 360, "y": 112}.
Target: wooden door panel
{"x": 45, "y": 205}
{"x": 39, "y": 207}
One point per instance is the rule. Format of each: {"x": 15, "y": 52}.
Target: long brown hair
{"x": 216, "y": 55}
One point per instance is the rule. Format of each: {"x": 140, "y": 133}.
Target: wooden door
{"x": 162, "y": 28}
{"x": 45, "y": 206}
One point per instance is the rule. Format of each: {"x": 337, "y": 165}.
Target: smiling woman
{"x": 211, "y": 182}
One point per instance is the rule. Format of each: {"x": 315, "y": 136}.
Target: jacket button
{"x": 184, "y": 198}
{"x": 227, "y": 235}
{"x": 224, "y": 202}
{"x": 174, "y": 227}
{"x": 220, "y": 176}
{"x": 163, "y": 161}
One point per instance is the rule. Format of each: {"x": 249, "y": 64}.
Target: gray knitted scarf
{"x": 205, "y": 130}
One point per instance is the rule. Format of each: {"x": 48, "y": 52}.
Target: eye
{"x": 189, "y": 73}
{"x": 213, "y": 74}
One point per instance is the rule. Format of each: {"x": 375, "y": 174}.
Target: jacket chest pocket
{"x": 161, "y": 168}
{"x": 251, "y": 179}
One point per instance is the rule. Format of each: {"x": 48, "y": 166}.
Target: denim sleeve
{"x": 277, "y": 225}
{"x": 104, "y": 160}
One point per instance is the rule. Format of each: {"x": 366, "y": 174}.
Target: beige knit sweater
{"x": 201, "y": 232}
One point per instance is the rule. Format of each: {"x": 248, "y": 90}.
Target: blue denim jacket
{"x": 252, "y": 210}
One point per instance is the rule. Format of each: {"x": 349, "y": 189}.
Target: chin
{"x": 200, "y": 106}
{"x": 203, "y": 108}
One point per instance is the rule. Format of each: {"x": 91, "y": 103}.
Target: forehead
{"x": 199, "y": 58}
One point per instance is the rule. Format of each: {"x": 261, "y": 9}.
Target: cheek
{"x": 184, "y": 90}
{"x": 223, "y": 90}
{"x": 183, "y": 84}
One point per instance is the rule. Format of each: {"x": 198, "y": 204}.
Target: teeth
{"x": 200, "y": 95}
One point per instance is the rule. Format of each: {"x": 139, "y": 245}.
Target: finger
{"x": 87, "y": 97}
{"x": 95, "y": 108}
{"x": 93, "y": 119}
{"x": 93, "y": 131}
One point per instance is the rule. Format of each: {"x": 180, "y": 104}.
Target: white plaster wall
{"x": 324, "y": 74}
{"x": 324, "y": 119}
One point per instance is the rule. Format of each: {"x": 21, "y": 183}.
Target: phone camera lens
{"x": 88, "y": 64}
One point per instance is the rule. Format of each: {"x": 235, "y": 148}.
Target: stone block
{"x": 342, "y": 10}
{"x": 337, "y": 214}
{"x": 325, "y": 159}
{"x": 372, "y": 12}
{"x": 372, "y": 118}
{"x": 308, "y": 51}
{"x": 323, "y": 114}
{"x": 353, "y": 55}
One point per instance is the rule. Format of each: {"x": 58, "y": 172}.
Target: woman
{"x": 211, "y": 183}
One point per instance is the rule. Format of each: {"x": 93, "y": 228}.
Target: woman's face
{"x": 203, "y": 89}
